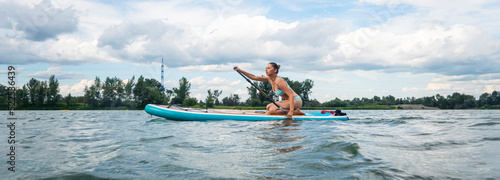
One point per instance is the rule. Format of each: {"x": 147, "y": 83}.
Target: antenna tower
{"x": 162, "y": 88}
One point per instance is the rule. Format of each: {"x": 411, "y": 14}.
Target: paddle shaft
{"x": 261, "y": 92}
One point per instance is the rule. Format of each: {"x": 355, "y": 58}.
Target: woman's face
{"x": 270, "y": 70}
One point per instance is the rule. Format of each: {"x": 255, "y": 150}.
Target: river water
{"x": 374, "y": 144}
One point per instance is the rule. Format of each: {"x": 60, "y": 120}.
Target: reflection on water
{"x": 282, "y": 133}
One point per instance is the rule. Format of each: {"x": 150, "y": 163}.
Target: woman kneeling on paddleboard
{"x": 281, "y": 88}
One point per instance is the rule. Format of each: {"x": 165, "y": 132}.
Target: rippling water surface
{"x": 372, "y": 145}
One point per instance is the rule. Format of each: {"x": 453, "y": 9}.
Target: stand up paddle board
{"x": 192, "y": 114}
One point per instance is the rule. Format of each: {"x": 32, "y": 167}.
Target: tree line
{"x": 136, "y": 94}
{"x": 454, "y": 101}
{"x": 36, "y": 93}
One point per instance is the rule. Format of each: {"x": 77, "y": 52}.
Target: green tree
{"x": 442, "y": 102}
{"x": 306, "y": 91}
{"x": 253, "y": 92}
{"x": 232, "y": 100}
{"x": 313, "y": 103}
{"x": 153, "y": 96}
{"x": 335, "y": 103}
{"x": 483, "y": 99}
{"x": 69, "y": 100}
{"x": 32, "y": 86}
{"x": 356, "y": 102}
{"x": 129, "y": 87}
{"x": 494, "y": 98}
{"x": 216, "y": 95}
{"x": 188, "y": 102}
{"x": 376, "y": 99}
{"x": 210, "y": 99}
{"x": 128, "y": 96}
{"x": 53, "y": 95}
{"x": 254, "y": 102}
{"x": 147, "y": 91}
{"x": 4, "y": 96}
{"x": 470, "y": 101}
{"x": 113, "y": 92}
{"x": 37, "y": 91}
{"x": 182, "y": 92}
{"x": 93, "y": 93}
{"x": 22, "y": 97}
{"x": 140, "y": 91}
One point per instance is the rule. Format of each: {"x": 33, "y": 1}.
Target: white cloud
{"x": 412, "y": 89}
{"x": 215, "y": 83}
{"x": 239, "y": 38}
{"x": 38, "y": 23}
{"x": 171, "y": 83}
{"x": 214, "y": 67}
{"x": 491, "y": 88}
{"x": 197, "y": 81}
{"x": 57, "y": 72}
{"x": 438, "y": 86}
{"x": 146, "y": 40}
{"x": 205, "y": 41}
{"x": 328, "y": 80}
{"x": 458, "y": 49}
{"x": 76, "y": 89}
{"x": 178, "y": 11}
{"x": 240, "y": 92}
{"x": 54, "y": 32}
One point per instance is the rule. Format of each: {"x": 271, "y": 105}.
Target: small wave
{"x": 398, "y": 121}
{"x": 382, "y": 135}
{"x": 154, "y": 139}
{"x": 349, "y": 149}
{"x": 411, "y": 118}
{"x": 171, "y": 168}
{"x": 289, "y": 149}
{"x": 352, "y": 149}
{"x": 281, "y": 138}
{"x": 187, "y": 145}
{"x": 391, "y": 173}
{"x": 158, "y": 120}
{"x": 444, "y": 122}
{"x": 491, "y": 138}
{"x": 76, "y": 176}
{"x": 385, "y": 121}
{"x": 484, "y": 124}
{"x": 424, "y": 134}
{"x": 81, "y": 139}
{"x": 435, "y": 145}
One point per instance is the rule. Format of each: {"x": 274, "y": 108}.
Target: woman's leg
{"x": 297, "y": 103}
{"x": 273, "y": 109}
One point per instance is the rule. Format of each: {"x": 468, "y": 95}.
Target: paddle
{"x": 261, "y": 92}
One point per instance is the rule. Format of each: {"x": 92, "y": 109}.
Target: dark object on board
{"x": 339, "y": 113}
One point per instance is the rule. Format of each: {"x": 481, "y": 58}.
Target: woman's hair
{"x": 275, "y": 66}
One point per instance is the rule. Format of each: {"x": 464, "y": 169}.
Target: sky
{"x": 349, "y": 49}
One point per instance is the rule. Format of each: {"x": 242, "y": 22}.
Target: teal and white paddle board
{"x": 190, "y": 114}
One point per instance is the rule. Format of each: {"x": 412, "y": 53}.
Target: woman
{"x": 280, "y": 87}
